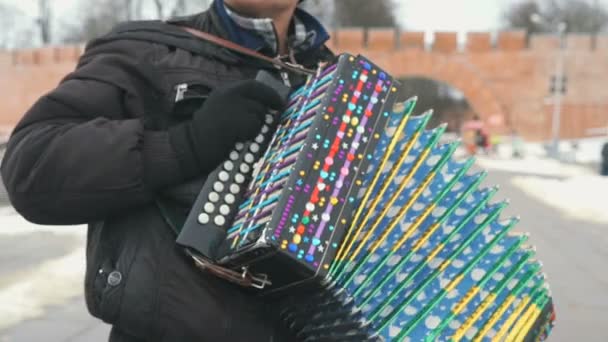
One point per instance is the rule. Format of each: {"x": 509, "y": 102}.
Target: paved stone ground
{"x": 68, "y": 323}
{"x": 574, "y": 253}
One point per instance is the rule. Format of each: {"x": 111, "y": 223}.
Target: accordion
{"x": 363, "y": 224}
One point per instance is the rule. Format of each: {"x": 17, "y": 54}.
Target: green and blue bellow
{"x": 427, "y": 255}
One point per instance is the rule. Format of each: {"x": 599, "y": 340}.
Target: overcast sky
{"x": 425, "y": 15}
{"x": 459, "y": 15}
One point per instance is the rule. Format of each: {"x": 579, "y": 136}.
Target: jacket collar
{"x": 209, "y": 21}
{"x": 306, "y": 32}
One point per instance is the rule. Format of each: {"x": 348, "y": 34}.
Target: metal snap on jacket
{"x": 114, "y": 278}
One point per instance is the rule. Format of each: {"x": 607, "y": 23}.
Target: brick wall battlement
{"x": 504, "y": 76}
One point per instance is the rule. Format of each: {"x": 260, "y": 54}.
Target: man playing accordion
{"x": 141, "y": 121}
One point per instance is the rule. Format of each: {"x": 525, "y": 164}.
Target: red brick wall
{"x": 511, "y": 41}
{"x": 445, "y": 42}
{"x": 503, "y": 78}
{"x": 28, "y": 74}
{"x": 478, "y": 42}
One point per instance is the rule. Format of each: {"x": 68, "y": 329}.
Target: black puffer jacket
{"x": 95, "y": 150}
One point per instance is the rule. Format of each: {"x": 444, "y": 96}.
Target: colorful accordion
{"x": 364, "y": 226}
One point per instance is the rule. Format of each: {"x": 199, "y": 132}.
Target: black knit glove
{"x": 230, "y": 114}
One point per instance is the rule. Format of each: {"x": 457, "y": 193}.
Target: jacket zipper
{"x": 180, "y": 91}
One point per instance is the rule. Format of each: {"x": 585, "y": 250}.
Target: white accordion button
{"x": 254, "y": 147}
{"x": 265, "y": 129}
{"x": 224, "y": 210}
{"x": 203, "y": 219}
{"x": 269, "y": 119}
{"x": 239, "y": 146}
{"x": 209, "y": 207}
{"x": 259, "y": 139}
{"x": 245, "y": 168}
{"x": 230, "y": 199}
{"x": 234, "y": 155}
{"x": 218, "y": 186}
{"x": 235, "y": 189}
{"x": 219, "y": 220}
{"x": 224, "y": 176}
{"x": 228, "y": 165}
{"x": 249, "y": 158}
{"x": 214, "y": 197}
{"x": 239, "y": 178}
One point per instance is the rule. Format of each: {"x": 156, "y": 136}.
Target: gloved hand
{"x": 230, "y": 114}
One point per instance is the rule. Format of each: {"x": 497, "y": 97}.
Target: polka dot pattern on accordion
{"x": 429, "y": 258}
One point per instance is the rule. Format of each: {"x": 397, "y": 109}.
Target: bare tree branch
{"x": 97, "y": 20}
{"x": 44, "y": 20}
{"x": 365, "y": 13}
{"x": 6, "y": 23}
{"x": 179, "y": 8}
{"x": 159, "y": 9}
{"x": 579, "y": 15}
{"x": 129, "y": 9}
{"x": 138, "y": 9}
{"x": 324, "y": 10}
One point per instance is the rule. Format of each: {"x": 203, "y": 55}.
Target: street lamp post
{"x": 559, "y": 80}
{"x": 557, "y": 91}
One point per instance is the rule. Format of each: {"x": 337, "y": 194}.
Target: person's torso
{"x": 137, "y": 277}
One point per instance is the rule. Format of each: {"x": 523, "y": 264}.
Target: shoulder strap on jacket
{"x": 186, "y": 38}
{"x": 246, "y": 51}
{"x": 155, "y": 31}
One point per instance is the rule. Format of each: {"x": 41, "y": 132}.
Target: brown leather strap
{"x": 248, "y": 52}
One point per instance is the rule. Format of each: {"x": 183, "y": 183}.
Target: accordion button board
{"x": 216, "y": 205}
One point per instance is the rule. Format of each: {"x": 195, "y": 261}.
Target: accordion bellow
{"x": 367, "y": 228}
